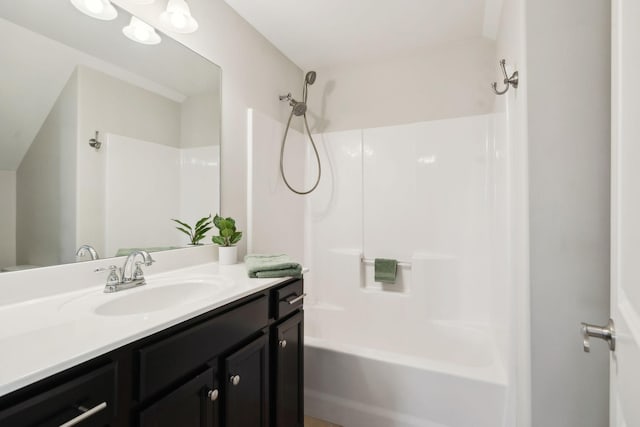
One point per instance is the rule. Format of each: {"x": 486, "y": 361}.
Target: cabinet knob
{"x": 235, "y": 379}
{"x": 282, "y": 343}
{"x": 213, "y": 394}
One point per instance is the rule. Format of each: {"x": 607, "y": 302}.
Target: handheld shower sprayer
{"x": 310, "y": 78}
{"x": 299, "y": 108}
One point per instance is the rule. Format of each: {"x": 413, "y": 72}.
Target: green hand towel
{"x": 271, "y": 266}
{"x": 287, "y": 272}
{"x": 385, "y": 270}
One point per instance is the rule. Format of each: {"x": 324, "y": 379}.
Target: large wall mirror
{"x": 156, "y": 111}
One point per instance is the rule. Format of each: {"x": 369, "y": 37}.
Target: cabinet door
{"x": 246, "y": 386}
{"x": 288, "y": 348}
{"x": 193, "y": 404}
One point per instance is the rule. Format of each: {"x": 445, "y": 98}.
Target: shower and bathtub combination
{"x": 433, "y": 349}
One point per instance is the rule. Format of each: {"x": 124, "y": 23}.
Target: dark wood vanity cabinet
{"x": 230, "y": 367}
{"x": 287, "y": 370}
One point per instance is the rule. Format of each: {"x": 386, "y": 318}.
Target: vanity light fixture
{"x": 177, "y": 17}
{"x": 99, "y": 9}
{"x": 141, "y": 32}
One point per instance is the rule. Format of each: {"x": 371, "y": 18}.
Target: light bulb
{"x": 99, "y": 9}
{"x": 177, "y": 17}
{"x": 141, "y": 32}
{"x": 178, "y": 20}
{"x": 94, "y": 6}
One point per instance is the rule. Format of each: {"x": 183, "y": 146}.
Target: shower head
{"x": 310, "y": 78}
{"x": 299, "y": 108}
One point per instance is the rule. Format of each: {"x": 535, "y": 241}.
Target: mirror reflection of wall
{"x": 158, "y": 116}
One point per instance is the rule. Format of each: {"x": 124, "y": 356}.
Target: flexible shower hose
{"x": 315, "y": 150}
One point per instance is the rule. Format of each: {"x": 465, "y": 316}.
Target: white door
{"x": 625, "y": 214}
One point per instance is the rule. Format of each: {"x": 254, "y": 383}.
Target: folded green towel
{"x": 287, "y": 272}
{"x": 269, "y": 266}
{"x": 385, "y": 270}
{"x": 128, "y": 251}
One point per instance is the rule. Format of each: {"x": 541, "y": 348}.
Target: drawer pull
{"x": 86, "y": 413}
{"x": 282, "y": 343}
{"x": 235, "y": 379}
{"x": 293, "y": 299}
{"x": 213, "y": 394}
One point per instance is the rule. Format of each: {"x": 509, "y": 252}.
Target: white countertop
{"x": 44, "y": 336}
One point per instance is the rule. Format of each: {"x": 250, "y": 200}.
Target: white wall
{"x": 200, "y": 120}
{"x": 510, "y": 272}
{"x": 276, "y": 215}
{"x": 46, "y": 187}
{"x": 568, "y": 78}
{"x": 7, "y": 218}
{"x": 436, "y": 83}
{"x": 114, "y": 105}
{"x": 254, "y": 73}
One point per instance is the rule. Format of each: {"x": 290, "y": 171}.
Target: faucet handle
{"x": 113, "y": 278}
{"x": 138, "y": 273}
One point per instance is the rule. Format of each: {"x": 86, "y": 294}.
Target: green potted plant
{"x": 226, "y": 240}
{"x": 197, "y": 232}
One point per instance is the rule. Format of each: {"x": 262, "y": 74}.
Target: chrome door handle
{"x": 292, "y": 301}
{"x": 607, "y": 333}
{"x": 86, "y": 413}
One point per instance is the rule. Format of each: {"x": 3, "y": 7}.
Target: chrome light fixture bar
{"x": 141, "y": 32}
{"x": 177, "y": 17}
{"x": 99, "y": 9}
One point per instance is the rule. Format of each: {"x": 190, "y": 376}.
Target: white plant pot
{"x": 227, "y": 255}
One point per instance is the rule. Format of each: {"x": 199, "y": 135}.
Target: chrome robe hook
{"x": 95, "y": 142}
{"x": 508, "y": 81}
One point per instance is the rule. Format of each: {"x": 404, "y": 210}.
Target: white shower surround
{"x": 432, "y": 194}
{"x": 175, "y": 177}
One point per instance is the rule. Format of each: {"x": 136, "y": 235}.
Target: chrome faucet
{"x": 87, "y": 249}
{"x": 118, "y": 280}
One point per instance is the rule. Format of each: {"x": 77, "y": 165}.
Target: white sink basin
{"x": 156, "y": 298}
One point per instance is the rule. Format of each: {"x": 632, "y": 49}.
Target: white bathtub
{"x": 371, "y": 375}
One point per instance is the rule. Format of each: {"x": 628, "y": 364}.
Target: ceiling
{"x": 317, "y": 33}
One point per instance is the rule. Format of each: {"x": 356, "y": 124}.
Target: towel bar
{"x": 400, "y": 263}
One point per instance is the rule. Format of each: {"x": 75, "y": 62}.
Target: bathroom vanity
{"x": 232, "y": 360}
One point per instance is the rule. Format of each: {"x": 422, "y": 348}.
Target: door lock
{"x": 607, "y": 333}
